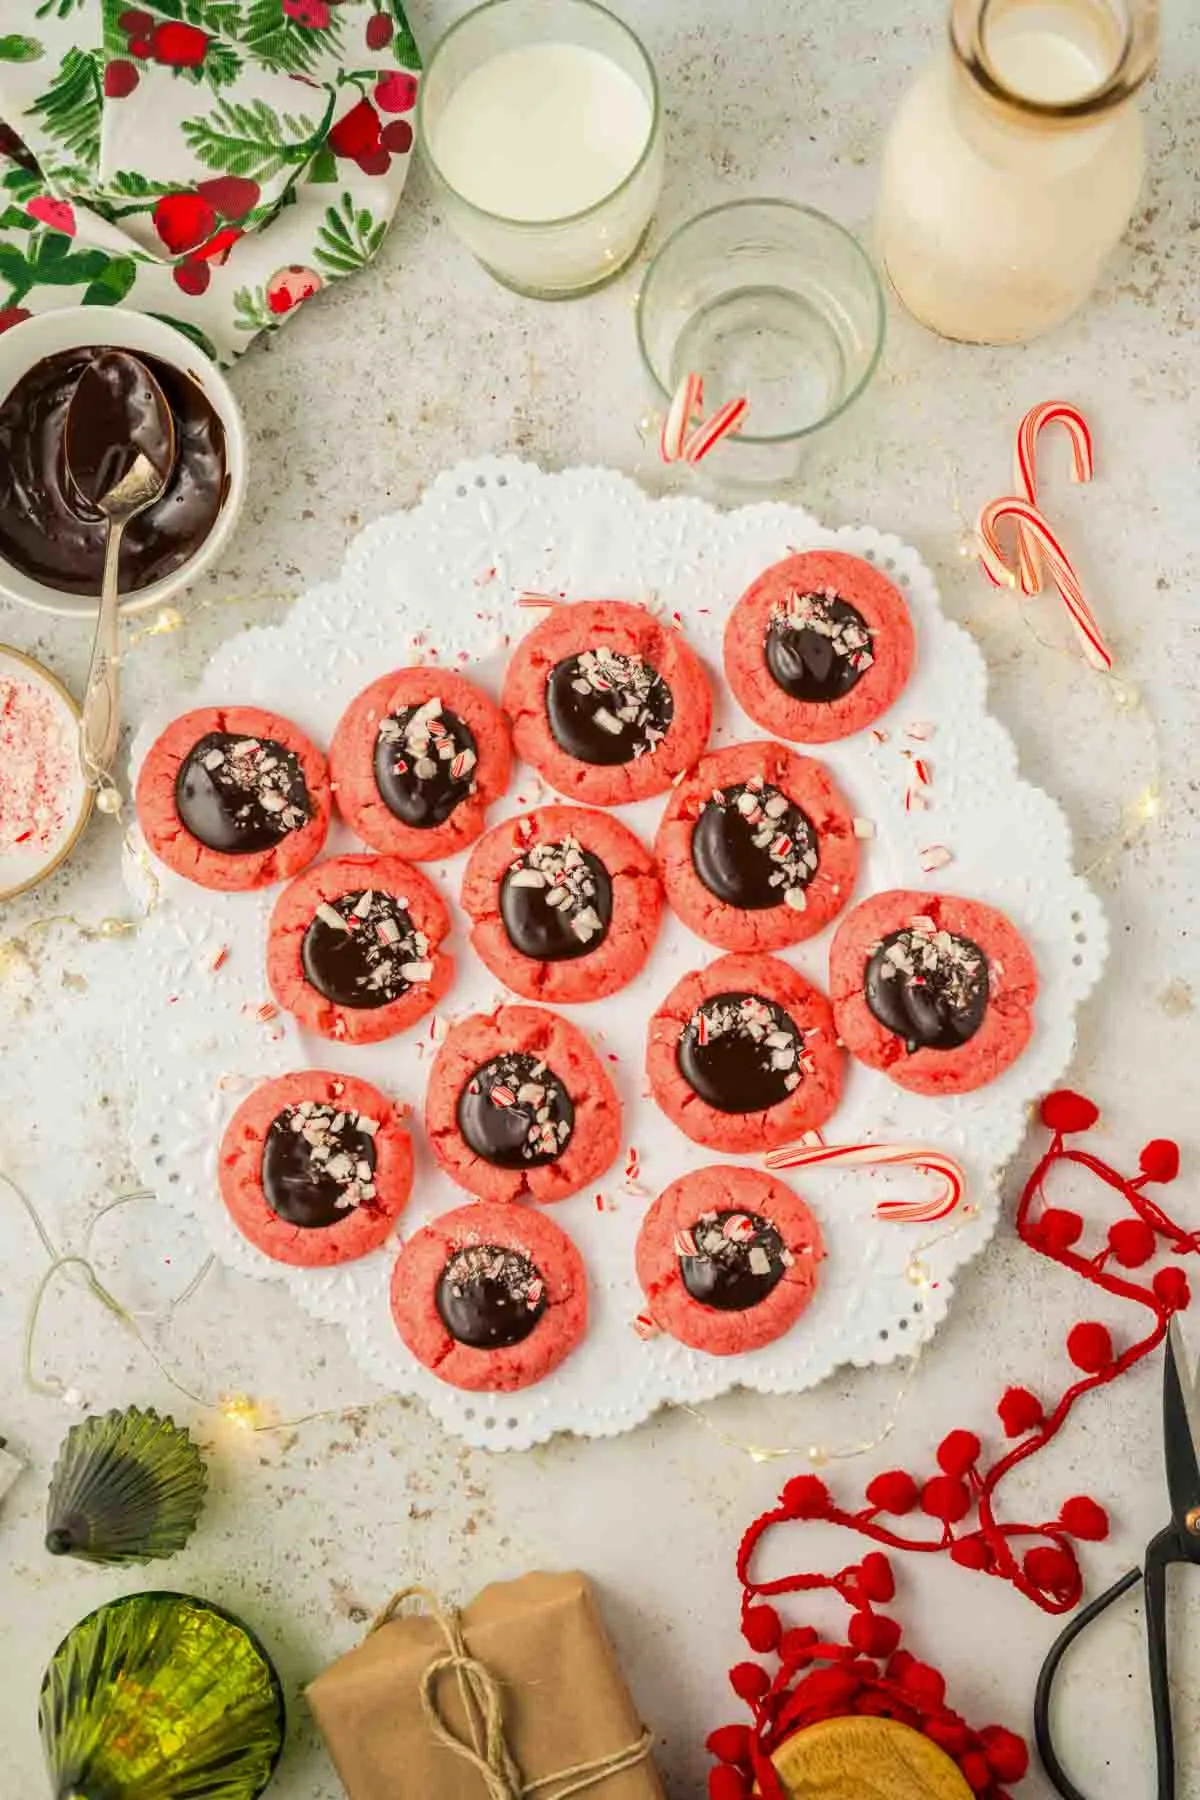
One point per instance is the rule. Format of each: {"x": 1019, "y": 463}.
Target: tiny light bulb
{"x": 1149, "y": 805}
{"x": 240, "y": 1411}
{"x": 168, "y": 618}
{"x": 818, "y": 1456}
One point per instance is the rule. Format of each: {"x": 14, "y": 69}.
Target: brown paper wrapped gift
{"x": 519, "y": 1694}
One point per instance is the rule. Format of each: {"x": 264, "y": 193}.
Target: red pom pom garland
{"x": 869, "y": 1673}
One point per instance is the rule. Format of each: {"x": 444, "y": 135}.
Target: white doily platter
{"x": 443, "y": 579}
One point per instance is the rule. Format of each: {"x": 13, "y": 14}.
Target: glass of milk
{"x": 772, "y": 302}
{"x": 540, "y": 120}
{"x": 1014, "y": 163}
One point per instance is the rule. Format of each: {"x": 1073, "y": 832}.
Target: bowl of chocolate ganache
{"x": 52, "y": 542}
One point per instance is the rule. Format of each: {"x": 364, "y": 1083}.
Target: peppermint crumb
{"x": 335, "y": 1150}
{"x": 37, "y": 768}
{"x": 566, "y": 883}
{"x": 825, "y": 614}
{"x": 632, "y": 697}
{"x": 424, "y": 744}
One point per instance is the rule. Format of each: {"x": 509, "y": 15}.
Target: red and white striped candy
{"x": 1012, "y": 506}
{"x": 1050, "y": 412}
{"x": 685, "y": 406}
{"x": 912, "y": 1212}
{"x": 681, "y": 440}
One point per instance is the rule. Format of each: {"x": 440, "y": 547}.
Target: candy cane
{"x": 1012, "y": 506}
{"x": 680, "y": 442}
{"x": 1050, "y": 412}
{"x": 909, "y": 1212}
{"x": 685, "y": 406}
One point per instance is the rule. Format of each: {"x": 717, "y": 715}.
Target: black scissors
{"x": 1179, "y": 1543}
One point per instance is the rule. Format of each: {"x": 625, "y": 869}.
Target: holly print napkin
{"x": 213, "y": 162}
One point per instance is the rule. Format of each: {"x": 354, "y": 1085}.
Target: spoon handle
{"x": 101, "y": 724}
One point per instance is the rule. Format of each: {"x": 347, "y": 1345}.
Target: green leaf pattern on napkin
{"x": 214, "y": 162}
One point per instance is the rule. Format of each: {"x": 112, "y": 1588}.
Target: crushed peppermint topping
{"x": 560, "y": 872}
{"x": 426, "y": 744}
{"x": 507, "y": 1269}
{"x": 735, "y": 1240}
{"x": 759, "y": 1022}
{"x": 925, "y": 956}
{"x": 515, "y": 1080}
{"x": 631, "y": 697}
{"x": 335, "y": 1148}
{"x": 392, "y": 952}
{"x": 783, "y": 834}
{"x": 38, "y": 758}
{"x": 827, "y": 615}
{"x": 260, "y": 777}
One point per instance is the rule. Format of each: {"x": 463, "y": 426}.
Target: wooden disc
{"x": 867, "y": 1759}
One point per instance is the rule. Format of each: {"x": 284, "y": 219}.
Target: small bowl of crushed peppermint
{"x": 44, "y": 799}
{"x": 51, "y": 539}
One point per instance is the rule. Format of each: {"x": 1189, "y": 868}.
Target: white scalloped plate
{"x": 444, "y": 577}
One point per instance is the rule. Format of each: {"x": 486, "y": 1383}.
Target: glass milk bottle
{"x": 1014, "y": 163}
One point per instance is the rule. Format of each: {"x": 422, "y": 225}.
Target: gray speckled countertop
{"x": 350, "y": 410}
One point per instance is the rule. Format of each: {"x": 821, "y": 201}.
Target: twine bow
{"x": 486, "y": 1748}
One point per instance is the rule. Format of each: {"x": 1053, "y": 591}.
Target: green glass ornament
{"x": 127, "y": 1487}
{"x": 160, "y": 1696}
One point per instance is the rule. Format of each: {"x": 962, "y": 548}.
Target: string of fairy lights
{"x": 244, "y": 1413}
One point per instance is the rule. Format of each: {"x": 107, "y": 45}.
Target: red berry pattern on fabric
{"x": 1020, "y": 1411}
{"x": 380, "y": 32}
{"x": 727, "y": 1784}
{"x": 1068, "y": 1112}
{"x": 230, "y": 196}
{"x": 288, "y": 287}
{"x": 314, "y": 15}
{"x": 356, "y": 132}
{"x": 192, "y": 277}
{"x": 959, "y": 1452}
{"x": 183, "y": 220}
{"x": 1083, "y": 1518}
{"x": 1090, "y": 1347}
{"x": 12, "y": 315}
{"x": 120, "y": 79}
{"x": 397, "y": 135}
{"x": 58, "y": 215}
{"x": 1159, "y": 1160}
{"x": 396, "y": 93}
{"x": 179, "y": 46}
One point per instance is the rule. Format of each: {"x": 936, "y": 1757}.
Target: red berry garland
{"x": 869, "y": 1673}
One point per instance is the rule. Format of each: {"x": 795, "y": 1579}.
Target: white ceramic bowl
{"x": 72, "y": 326}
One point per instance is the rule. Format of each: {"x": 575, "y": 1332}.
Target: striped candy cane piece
{"x": 707, "y": 436}
{"x": 686, "y": 405}
{"x": 907, "y": 1212}
{"x": 683, "y": 441}
{"x": 1050, "y": 412}
{"x": 1012, "y": 506}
